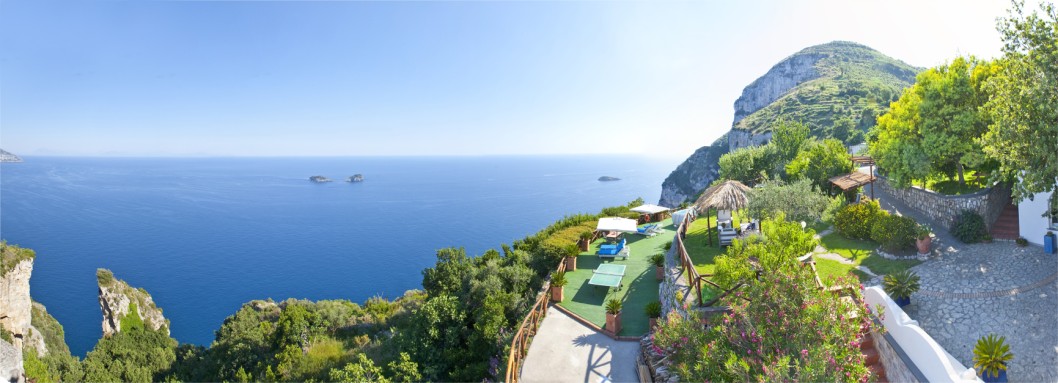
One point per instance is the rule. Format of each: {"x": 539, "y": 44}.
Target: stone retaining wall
{"x": 943, "y": 209}
{"x": 896, "y": 370}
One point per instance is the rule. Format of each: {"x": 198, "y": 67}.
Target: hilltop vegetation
{"x": 855, "y": 85}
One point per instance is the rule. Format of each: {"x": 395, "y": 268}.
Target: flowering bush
{"x": 782, "y": 243}
{"x": 782, "y": 327}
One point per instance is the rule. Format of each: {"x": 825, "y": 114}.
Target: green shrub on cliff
{"x": 11, "y": 256}
{"x": 130, "y": 356}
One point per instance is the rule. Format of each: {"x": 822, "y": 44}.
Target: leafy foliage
{"x": 969, "y": 227}
{"x": 782, "y": 242}
{"x": 819, "y": 161}
{"x": 137, "y": 355}
{"x": 902, "y": 284}
{"x": 782, "y": 326}
{"x": 855, "y": 221}
{"x": 613, "y": 306}
{"x": 653, "y": 309}
{"x": 1023, "y": 134}
{"x": 894, "y": 232}
{"x": 991, "y": 354}
{"x": 798, "y": 201}
{"x": 748, "y": 165}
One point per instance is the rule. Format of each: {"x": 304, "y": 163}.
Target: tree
{"x": 1023, "y": 135}
{"x": 799, "y": 201}
{"x": 788, "y": 139}
{"x": 820, "y": 161}
{"x": 897, "y": 142}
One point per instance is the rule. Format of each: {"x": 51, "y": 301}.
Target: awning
{"x": 617, "y": 224}
{"x": 852, "y": 180}
{"x": 650, "y": 209}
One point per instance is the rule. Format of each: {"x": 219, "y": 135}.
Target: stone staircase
{"x": 873, "y": 359}
{"x": 1006, "y": 226}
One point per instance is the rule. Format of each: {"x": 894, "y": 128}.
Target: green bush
{"x": 969, "y": 227}
{"x": 856, "y": 220}
{"x": 894, "y": 232}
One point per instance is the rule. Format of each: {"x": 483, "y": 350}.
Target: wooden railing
{"x": 526, "y": 332}
{"x": 694, "y": 279}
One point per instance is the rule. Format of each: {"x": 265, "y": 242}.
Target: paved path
{"x": 566, "y": 351}
{"x": 969, "y": 291}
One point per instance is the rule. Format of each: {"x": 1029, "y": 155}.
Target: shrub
{"x": 894, "y": 232}
{"x": 901, "y": 285}
{"x": 833, "y": 206}
{"x": 559, "y": 279}
{"x": 856, "y": 220}
{"x": 1021, "y": 241}
{"x": 613, "y": 306}
{"x": 658, "y": 259}
{"x": 653, "y": 309}
{"x": 969, "y": 227}
{"x": 799, "y": 200}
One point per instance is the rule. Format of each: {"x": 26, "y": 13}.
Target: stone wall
{"x": 943, "y": 209}
{"x": 896, "y": 370}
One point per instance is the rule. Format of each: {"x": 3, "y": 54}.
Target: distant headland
{"x": 608, "y": 178}
{"x": 6, "y": 156}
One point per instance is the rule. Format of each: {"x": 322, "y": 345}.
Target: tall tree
{"x": 1023, "y": 135}
{"x": 819, "y": 161}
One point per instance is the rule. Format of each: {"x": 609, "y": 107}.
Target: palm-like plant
{"x": 613, "y": 306}
{"x": 658, "y": 259}
{"x": 558, "y": 279}
{"x": 653, "y": 309}
{"x": 571, "y": 250}
{"x": 902, "y": 284}
{"x": 991, "y": 354}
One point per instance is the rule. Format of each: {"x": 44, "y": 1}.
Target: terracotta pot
{"x": 584, "y": 243}
{"x": 659, "y": 272}
{"x": 613, "y": 323}
{"x": 653, "y": 324}
{"x": 571, "y": 263}
{"x": 924, "y": 245}
{"x": 556, "y": 293}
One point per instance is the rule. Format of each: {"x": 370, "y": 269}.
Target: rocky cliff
{"x": 16, "y": 306}
{"x": 117, "y": 300}
{"x": 6, "y": 156}
{"x": 836, "y": 89}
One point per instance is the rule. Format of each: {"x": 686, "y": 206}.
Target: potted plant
{"x": 585, "y": 240}
{"x": 923, "y": 241}
{"x": 991, "y": 355}
{"x": 572, "y": 251}
{"x": 900, "y": 286}
{"x": 653, "y": 311}
{"x": 613, "y": 315}
{"x": 558, "y": 283}
{"x": 987, "y": 238}
{"x": 659, "y": 265}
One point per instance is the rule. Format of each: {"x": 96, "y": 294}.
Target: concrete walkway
{"x": 566, "y": 351}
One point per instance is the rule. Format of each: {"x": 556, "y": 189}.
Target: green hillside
{"x": 855, "y": 85}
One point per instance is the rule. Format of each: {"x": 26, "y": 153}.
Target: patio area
{"x": 640, "y": 286}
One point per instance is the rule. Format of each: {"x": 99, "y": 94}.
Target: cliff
{"x": 836, "y": 89}
{"x": 16, "y": 306}
{"x": 118, "y": 300}
{"x": 6, "y": 156}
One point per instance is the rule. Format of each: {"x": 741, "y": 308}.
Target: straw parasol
{"x": 729, "y": 195}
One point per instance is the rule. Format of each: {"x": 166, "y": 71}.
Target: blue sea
{"x": 204, "y": 235}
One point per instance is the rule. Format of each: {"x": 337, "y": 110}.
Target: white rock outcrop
{"x": 16, "y": 307}
{"x": 115, "y": 299}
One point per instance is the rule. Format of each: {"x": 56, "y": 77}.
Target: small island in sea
{"x": 356, "y": 178}
{"x": 608, "y": 178}
{"x": 319, "y": 179}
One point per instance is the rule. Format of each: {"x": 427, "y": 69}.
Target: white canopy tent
{"x": 617, "y": 224}
{"x": 650, "y": 209}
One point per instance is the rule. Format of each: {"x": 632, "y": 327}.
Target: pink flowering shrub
{"x": 781, "y": 327}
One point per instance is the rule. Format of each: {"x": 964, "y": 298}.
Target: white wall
{"x": 935, "y": 363}
{"x": 1031, "y": 223}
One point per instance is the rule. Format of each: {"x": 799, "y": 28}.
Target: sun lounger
{"x": 648, "y": 230}
{"x": 610, "y": 251}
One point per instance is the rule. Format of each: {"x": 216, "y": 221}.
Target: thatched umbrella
{"x": 728, "y": 195}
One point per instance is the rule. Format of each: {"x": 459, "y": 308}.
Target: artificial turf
{"x": 640, "y": 283}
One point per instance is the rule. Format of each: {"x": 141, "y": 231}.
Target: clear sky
{"x": 251, "y": 78}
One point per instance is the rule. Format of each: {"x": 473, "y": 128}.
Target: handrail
{"x": 527, "y": 330}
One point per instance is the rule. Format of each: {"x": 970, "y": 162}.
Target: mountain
{"x": 8, "y": 157}
{"x": 837, "y": 89}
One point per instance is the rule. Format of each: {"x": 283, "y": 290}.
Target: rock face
{"x": 16, "y": 306}
{"x": 319, "y": 179}
{"x": 11, "y": 369}
{"x": 693, "y": 175}
{"x": 357, "y": 178}
{"x": 6, "y": 156}
{"x": 115, "y": 300}
{"x": 820, "y": 86}
{"x": 782, "y": 77}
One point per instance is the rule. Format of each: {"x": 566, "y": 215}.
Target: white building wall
{"x": 1031, "y": 222}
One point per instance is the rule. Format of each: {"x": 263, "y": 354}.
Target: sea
{"x": 205, "y": 235}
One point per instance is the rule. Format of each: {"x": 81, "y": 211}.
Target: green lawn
{"x": 950, "y": 186}
{"x": 640, "y": 285}
{"x": 861, "y": 253}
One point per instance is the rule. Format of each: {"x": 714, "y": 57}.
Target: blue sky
{"x": 252, "y": 78}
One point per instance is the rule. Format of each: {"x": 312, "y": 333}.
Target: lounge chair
{"x": 648, "y": 230}
{"x": 610, "y": 251}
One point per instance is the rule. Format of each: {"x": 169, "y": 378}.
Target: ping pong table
{"x": 608, "y": 275}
